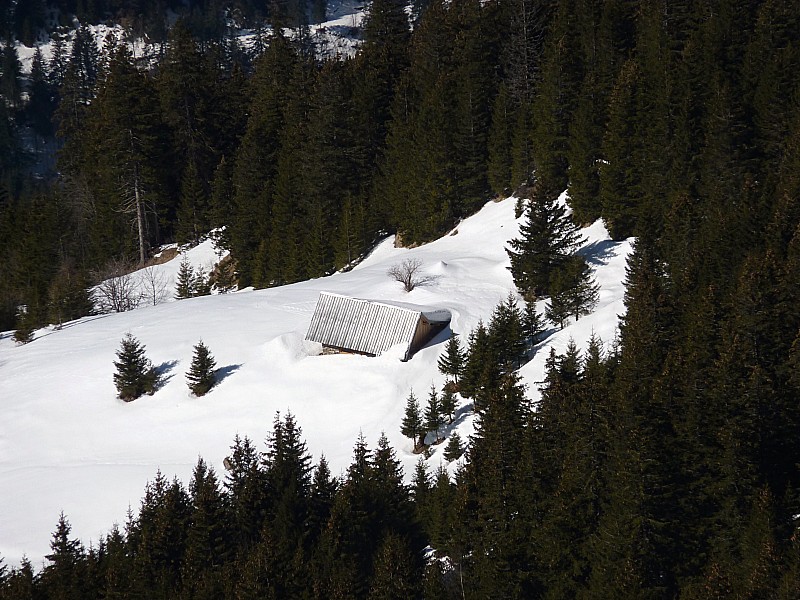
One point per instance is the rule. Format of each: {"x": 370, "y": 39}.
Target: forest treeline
{"x": 671, "y": 117}
{"x": 664, "y": 466}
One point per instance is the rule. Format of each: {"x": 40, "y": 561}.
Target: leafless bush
{"x": 153, "y": 285}
{"x": 408, "y": 273}
{"x": 118, "y": 290}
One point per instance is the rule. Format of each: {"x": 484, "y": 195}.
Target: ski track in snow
{"x": 68, "y": 444}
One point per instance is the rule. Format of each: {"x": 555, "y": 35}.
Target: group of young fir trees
{"x": 274, "y": 526}
{"x": 509, "y": 339}
{"x": 135, "y": 374}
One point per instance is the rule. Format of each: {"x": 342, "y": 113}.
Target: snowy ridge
{"x": 67, "y": 443}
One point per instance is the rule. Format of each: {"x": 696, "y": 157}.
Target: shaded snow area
{"x": 68, "y": 444}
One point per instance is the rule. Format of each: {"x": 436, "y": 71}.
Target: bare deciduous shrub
{"x": 408, "y": 273}
{"x": 153, "y": 285}
{"x": 118, "y": 290}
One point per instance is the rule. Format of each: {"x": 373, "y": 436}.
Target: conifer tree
{"x": 447, "y": 403}
{"x": 499, "y": 143}
{"x": 454, "y": 448}
{"x": 42, "y": 97}
{"x": 246, "y": 486}
{"x": 184, "y": 286}
{"x": 479, "y": 365}
{"x": 548, "y": 237}
{"x": 122, "y": 158}
{"x": 207, "y": 540}
{"x": 159, "y": 537}
{"x": 193, "y": 209}
{"x": 258, "y": 155}
{"x": 10, "y": 86}
{"x": 433, "y": 415}
{"x": 201, "y": 282}
{"x": 23, "y": 334}
{"x": 619, "y": 176}
{"x": 412, "y": 422}
{"x": 64, "y": 573}
{"x": 288, "y": 470}
{"x": 496, "y": 538}
{"x": 396, "y": 576}
{"x": 200, "y": 376}
{"x": 532, "y": 325}
{"x": 451, "y": 363}
{"x": 68, "y": 297}
{"x": 135, "y": 374}
{"x": 558, "y": 311}
{"x": 472, "y": 75}
{"x": 321, "y": 497}
{"x": 505, "y": 335}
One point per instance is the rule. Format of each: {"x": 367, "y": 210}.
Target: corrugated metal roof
{"x": 366, "y": 326}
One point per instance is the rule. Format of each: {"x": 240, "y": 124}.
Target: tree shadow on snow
{"x": 224, "y": 372}
{"x": 599, "y": 253}
{"x": 164, "y": 373}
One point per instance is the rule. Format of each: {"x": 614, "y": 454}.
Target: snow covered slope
{"x": 68, "y": 444}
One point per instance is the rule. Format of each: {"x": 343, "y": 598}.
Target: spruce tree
{"x": 246, "y": 486}
{"x": 63, "y": 576}
{"x": 619, "y": 171}
{"x": 479, "y": 365}
{"x": 321, "y": 496}
{"x": 202, "y": 282}
{"x": 499, "y": 143}
{"x": 200, "y": 376}
{"x": 184, "y": 286}
{"x": 451, "y": 363}
{"x": 548, "y": 237}
{"x": 135, "y": 374}
{"x": 532, "y": 325}
{"x": 558, "y": 310}
{"x": 574, "y": 291}
{"x": 396, "y": 576}
{"x": 412, "y": 422}
{"x": 193, "y": 210}
{"x": 433, "y": 415}
{"x": 23, "y": 334}
{"x": 207, "y": 540}
{"x": 505, "y": 336}
{"x": 447, "y": 403}
{"x": 454, "y": 448}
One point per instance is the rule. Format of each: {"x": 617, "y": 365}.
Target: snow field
{"x": 67, "y": 443}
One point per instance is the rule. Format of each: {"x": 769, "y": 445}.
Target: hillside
{"x": 68, "y": 444}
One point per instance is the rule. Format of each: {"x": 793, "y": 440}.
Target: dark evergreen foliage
{"x": 548, "y": 237}
{"x": 184, "y": 285}
{"x": 135, "y": 374}
{"x": 451, "y": 362}
{"x": 454, "y": 448}
{"x": 201, "y": 377}
{"x": 447, "y": 403}
{"x": 412, "y": 425}
{"x": 433, "y": 416}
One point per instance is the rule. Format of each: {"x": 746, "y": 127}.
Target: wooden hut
{"x": 371, "y": 327}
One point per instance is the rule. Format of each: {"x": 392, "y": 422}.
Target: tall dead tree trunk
{"x": 138, "y": 204}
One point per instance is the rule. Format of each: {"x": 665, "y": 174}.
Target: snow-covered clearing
{"x": 68, "y": 444}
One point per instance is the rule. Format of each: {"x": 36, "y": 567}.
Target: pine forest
{"x": 664, "y": 465}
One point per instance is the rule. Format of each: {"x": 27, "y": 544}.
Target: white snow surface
{"x": 68, "y": 444}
